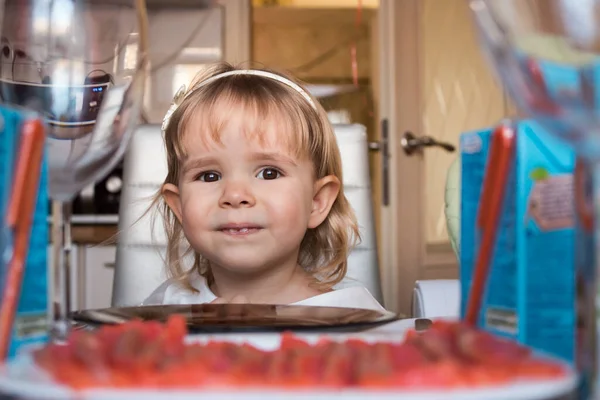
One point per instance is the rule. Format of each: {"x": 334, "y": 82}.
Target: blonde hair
{"x": 324, "y": 249}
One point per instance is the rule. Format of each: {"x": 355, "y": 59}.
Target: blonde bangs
{"x": 273, "y": 116}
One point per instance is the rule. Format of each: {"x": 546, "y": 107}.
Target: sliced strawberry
{"x": 406, "y": 355}
{"x": 484, "y": 348}
{"x": 290, "y": 341}
{"x": 152, "y": 355}
{"x": 435, "y": 345}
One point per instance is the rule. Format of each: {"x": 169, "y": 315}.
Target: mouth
{"x": 239, "y": 229}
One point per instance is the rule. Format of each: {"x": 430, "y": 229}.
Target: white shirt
{"x": 172, "y": 292}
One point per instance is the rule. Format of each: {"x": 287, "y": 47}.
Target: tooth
{"x": 238, "y": 230}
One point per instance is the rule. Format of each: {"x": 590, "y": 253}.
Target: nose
{"x": 236, "y": 195}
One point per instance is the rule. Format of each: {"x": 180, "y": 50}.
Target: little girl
{"x": 254, "y": 193}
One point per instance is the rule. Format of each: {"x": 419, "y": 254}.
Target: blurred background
{"x": 394, "y": 67}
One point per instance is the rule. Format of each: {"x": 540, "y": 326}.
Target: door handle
{"x": 412, "y": 144}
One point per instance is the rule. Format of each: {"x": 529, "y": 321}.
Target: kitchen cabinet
{"x": 92, "y": 271}
{"x": 97, "y": 275}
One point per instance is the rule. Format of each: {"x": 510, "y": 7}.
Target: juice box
{"x": 530, "y": 294}
{"x": 32, "y": 316}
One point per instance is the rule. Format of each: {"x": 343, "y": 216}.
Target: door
{"x": 434, "y": 82}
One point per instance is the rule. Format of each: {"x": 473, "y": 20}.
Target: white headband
{"x": 181, "y": 93}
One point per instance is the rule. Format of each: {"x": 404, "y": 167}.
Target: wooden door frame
{"x": 405, "y": 256}
{"x": 400, "y": 100}
{"x": 237, "y": 34}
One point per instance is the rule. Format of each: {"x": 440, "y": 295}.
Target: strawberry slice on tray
{"x": 152, "y": 355}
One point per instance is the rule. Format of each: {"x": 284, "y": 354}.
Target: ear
{"x": 326, "y": 190}
{"x": 171, "y": 194}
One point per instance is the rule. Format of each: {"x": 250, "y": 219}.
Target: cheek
{"x": 194, "y": 206}
{"x": 290, "y": 207}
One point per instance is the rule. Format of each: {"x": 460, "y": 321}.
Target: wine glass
{"x": 81, "y": 64}
{"x": 545, "y": 52}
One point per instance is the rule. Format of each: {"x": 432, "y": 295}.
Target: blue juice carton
{"x": 32, "y": 315}
{"x": 530, "y": 294}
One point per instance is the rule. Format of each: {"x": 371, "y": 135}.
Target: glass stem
{"x": 62, "y": 246}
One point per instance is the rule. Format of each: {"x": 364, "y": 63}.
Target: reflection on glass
{"x": 82, "y": 65}
{"x": 546, "y": 54}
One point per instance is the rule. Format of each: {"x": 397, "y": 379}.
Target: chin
{"x": 243, "y": 265}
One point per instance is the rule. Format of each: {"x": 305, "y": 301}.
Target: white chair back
{"x": 141, "y": 244}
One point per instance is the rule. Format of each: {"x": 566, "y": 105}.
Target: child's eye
{"x": 209, "y": 177}
{"x": 268, "y": 174}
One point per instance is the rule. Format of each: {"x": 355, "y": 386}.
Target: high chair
{"x": 140, "y": 266}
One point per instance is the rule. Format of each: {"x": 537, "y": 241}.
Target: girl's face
{"x": 245, "y": 201}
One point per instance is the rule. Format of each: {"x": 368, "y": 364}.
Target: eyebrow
{"x": 275, "y": 157}
{"x": 200, "y": 162}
